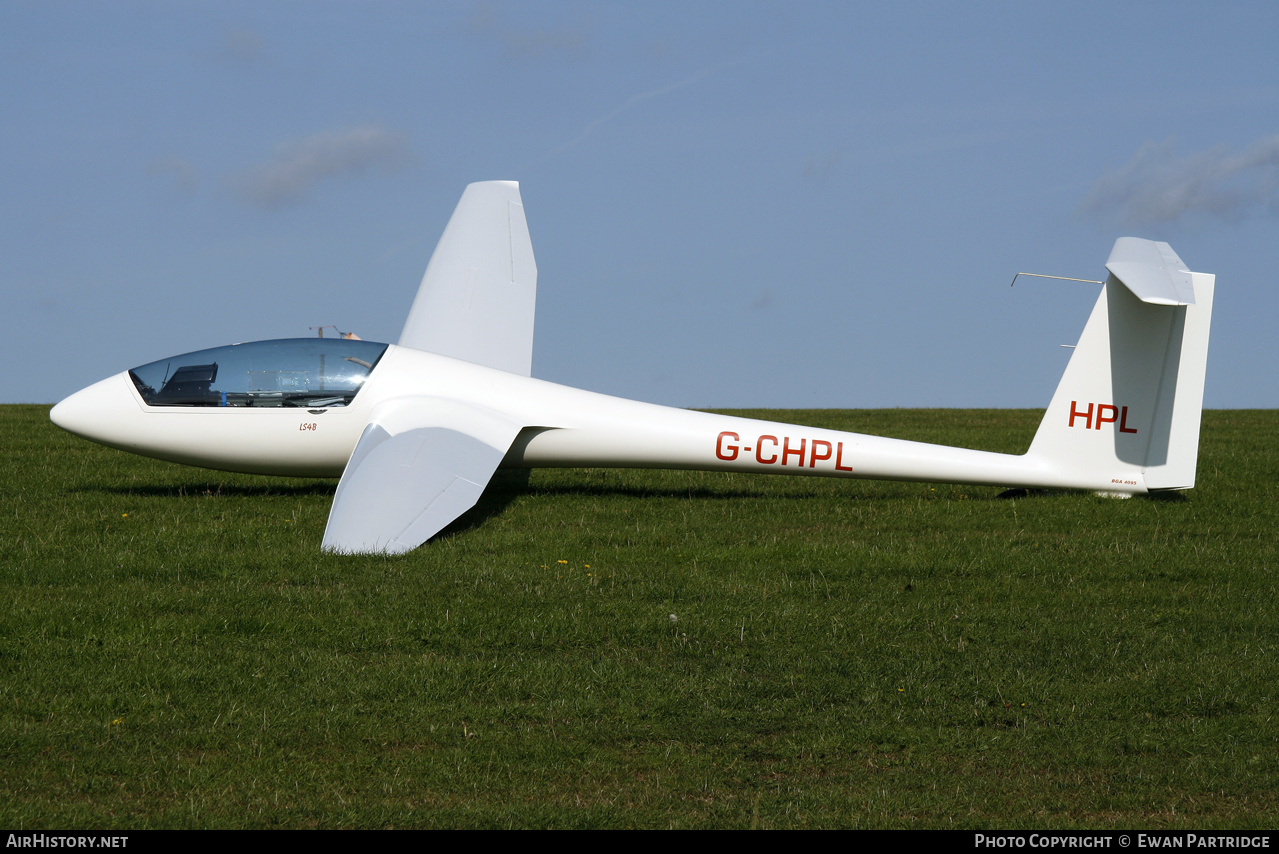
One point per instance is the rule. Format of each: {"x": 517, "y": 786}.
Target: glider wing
{"x": 477, "y": 299}
{"x": 421, "y": 463}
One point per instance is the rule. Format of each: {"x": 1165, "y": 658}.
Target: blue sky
{"x": 731, "y": 204}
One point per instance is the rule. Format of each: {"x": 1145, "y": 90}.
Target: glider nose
{"x": 100, "y": 413}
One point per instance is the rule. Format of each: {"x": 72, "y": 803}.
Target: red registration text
{"x": 1107, "y": 413}
{"x": 785, "y": 451}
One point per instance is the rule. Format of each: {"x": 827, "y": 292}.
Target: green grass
{"x": 601, "y": 648}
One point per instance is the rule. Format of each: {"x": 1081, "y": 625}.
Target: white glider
{"x": 417, "y": 429}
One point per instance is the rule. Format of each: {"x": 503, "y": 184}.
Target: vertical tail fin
{"x": 1125, "y": 417}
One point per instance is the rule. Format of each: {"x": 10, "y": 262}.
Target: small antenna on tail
{"x": 1046, "y": 276}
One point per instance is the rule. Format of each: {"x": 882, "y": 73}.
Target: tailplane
{"x": 1125, "y": 417}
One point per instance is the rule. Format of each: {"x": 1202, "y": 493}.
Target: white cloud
{"x": 298, "y": 165}
{"x": 1159, "y": 186}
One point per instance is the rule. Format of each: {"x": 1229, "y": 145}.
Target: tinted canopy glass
{"x": 306, "y": 372}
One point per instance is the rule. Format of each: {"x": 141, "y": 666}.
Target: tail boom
{"x": 1124, "y": 419}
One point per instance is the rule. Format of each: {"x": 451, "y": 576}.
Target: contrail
{"x": 627, "y": 105}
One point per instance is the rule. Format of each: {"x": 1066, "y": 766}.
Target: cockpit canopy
{"x": 307, "y": 372}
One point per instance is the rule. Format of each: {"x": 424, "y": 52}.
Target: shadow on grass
{"x": 215, "y": 490}
{"x": 1167, "y": 496}
{"x": 509, "y": 484}
{"x": 505, "y": 487}
{"x": 1164, "y": 496}
{"x": 656, "y": 492}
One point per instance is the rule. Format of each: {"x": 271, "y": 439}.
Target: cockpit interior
{"x": 313, "y": 373}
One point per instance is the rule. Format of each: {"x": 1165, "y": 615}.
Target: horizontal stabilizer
{"x": 1152, "y": 271}
{"x": 421, "y": 463}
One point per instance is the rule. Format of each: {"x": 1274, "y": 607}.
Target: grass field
{"x": 601, "y": 648}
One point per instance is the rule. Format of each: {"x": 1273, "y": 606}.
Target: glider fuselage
{"x": 565, "y": 427}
